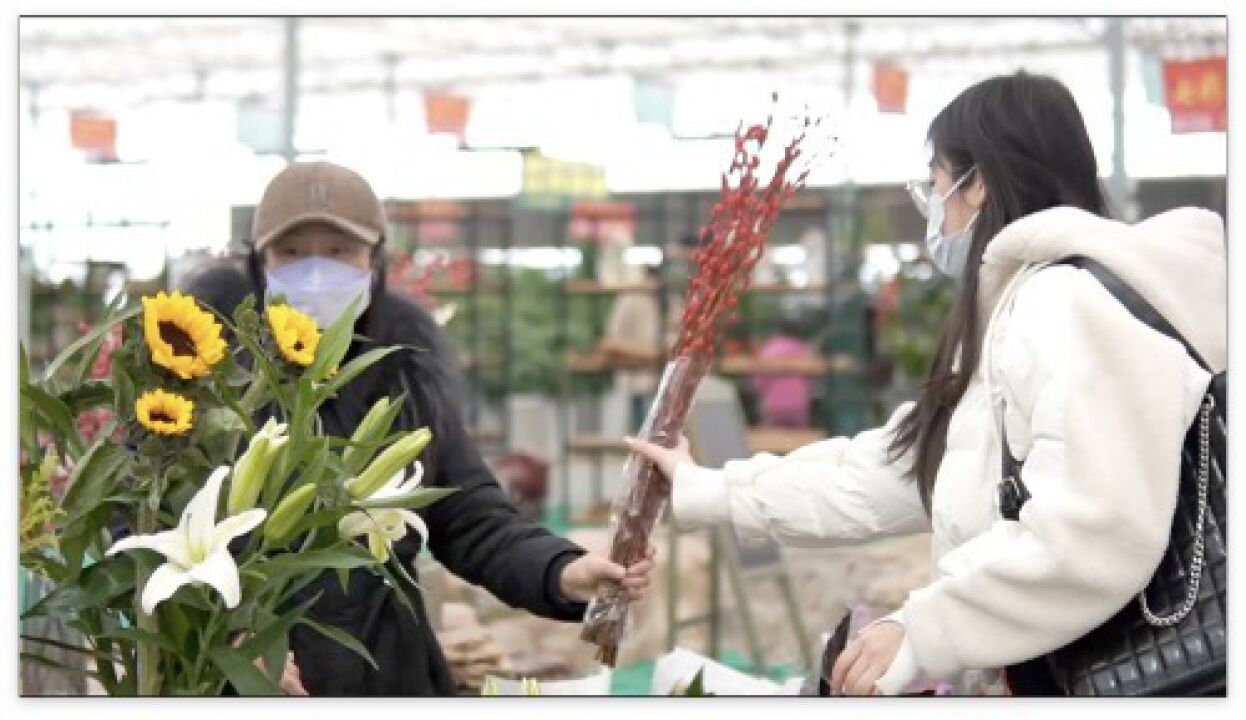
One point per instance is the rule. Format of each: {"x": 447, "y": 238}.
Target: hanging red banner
{"x": 1195, "y": 92}
{"x": 891, "y": 87}
{"x": 447, "y": 113}
{"x": 94, "y": 133}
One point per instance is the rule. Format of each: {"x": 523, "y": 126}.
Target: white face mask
{"x": 321, "y": 287}
{"x": 949, "y": 252}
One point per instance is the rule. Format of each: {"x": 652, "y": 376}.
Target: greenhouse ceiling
{"x": 137, "y": 60}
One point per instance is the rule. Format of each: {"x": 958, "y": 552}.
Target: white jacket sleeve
{"x": 1108, "y": 402}
{"x": 837, "y": 491}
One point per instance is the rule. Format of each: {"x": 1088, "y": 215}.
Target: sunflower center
{"x": 298, "y": 344}
{"x": 162, "y": 416}
{"x": 177, "y": 338}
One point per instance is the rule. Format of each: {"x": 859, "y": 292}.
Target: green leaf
{"x": 317, "y": 519}
{"x": 334, "y": 343}
{"x": 95, "y": 334}
{"x": 245, "y": 677}
{"x": 342, "y": 637}
{"x": 343, "y": 580}
{"x": 347, "y": 556}
{"x": 279, "y": 629}
{"x": 94, "y": 587}
{"x": 86, "y": 396}
{"x": 93, "y": 478}
{"x": 88, "y": 358}
{"x": 267, "y": 369}
{"x": 697, "y": 688}
{"x": 419, "y": 498}
{"x": 73, "y": 549}
{"x": 60, "y": 667}
{"x": 100, "y": 657}
{"x": 124, "y": 393}
{"x": 175, "y": 620}
{"x": 55, "y": 415}
{"x": 23, "y": 364}
{"x": 135, "y": 635}
{"x": 399, "y": 591}
{"x": 352, "y": 370}
{"x": 275, "y": 658}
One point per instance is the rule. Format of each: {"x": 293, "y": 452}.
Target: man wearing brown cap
{"x": 318, "y": 240}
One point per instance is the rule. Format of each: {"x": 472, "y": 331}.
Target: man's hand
{"x": 866, "y": 659}
{"x": 291, "y": 681}
{"x": 582, "y": 576}
{"x": 666, "y": 459}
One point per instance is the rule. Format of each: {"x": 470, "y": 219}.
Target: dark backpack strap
{"x": 1133, "y": 302}
{"x": 1012, "y": 491}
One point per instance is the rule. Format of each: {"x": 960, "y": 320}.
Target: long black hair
{"x": 1025, "y": 140}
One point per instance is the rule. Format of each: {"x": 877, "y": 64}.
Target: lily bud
{"x": 288, "y": 512}
{"x": 371, "y": 429}
{"x": 392, "y": 460}
{"x": 251, "y": 470}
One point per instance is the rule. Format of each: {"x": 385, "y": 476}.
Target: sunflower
{"x": 182, "y": 338}
{"x": 165, "y": 413}
{"x": 296, "y": 334}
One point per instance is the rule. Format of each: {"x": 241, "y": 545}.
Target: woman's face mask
{"x": 949, "y": 252}
{"x": 321, "y": 287}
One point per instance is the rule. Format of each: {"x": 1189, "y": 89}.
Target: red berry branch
{"x": 731, "y": 243}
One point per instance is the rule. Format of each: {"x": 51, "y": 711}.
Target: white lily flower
{"x": 197, "y": 550}
{"x": 384, "y": 526}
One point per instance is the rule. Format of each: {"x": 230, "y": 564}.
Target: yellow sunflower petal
{"x": 296, "y": 334}
{"x": 165, "y": 413}
{"x": 181, "y": 337}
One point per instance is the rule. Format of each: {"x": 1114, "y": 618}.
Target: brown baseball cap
{"x": 318, "y": 192}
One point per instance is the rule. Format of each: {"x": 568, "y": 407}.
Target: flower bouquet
{"x": 186, "y": 525}
{"x": 730, "y": 246}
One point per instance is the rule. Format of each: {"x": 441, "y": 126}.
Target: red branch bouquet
{"x": 730, "y": 245}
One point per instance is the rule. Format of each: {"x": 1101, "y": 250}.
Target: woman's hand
{"x": 666, "y": 459}
{"x": 866, "y": 659}
{"x": 581, "y": 577}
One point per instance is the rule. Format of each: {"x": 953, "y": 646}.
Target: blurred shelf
{"x": 596, "y": 444}
{"x": 489, "y": 286}
{"x": 752, "y": 365}
{"x": 592, "y": 287}
{"x": 485, "y": 436}
{"x": 597, "y": 515}
{"x": 488, "y": 362}
{"x": 598, "y": 361}
{"x": 781, "y": 288}
{"x": 773, "y": 440}
{"x": 781, "y": 440}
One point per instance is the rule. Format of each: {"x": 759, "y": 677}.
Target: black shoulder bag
{"x": 1170, "y": 640}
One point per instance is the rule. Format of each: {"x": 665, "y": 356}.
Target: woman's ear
{"x": 975, "y": 193}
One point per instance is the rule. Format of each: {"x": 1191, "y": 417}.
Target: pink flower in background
{"x": 102, "y": 369}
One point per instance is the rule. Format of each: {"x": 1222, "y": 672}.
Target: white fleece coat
{"x": 1096, "y": 403}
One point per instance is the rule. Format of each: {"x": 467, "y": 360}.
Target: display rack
{"x": 662, "y": 221}
{"x": 463, "y": 229}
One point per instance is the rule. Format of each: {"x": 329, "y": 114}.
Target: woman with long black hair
{"x": 318, "y": 241}
{"x": 1095, "y": 404}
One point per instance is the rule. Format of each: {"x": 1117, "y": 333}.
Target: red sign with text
{"x": 1195, "y": 92}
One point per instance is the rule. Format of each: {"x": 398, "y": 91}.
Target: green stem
{"x": 254, "y": 396}
{"x": 148, "y": 653}
{"x": 205, "y": 641}
{"x": 225, "y": 394}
